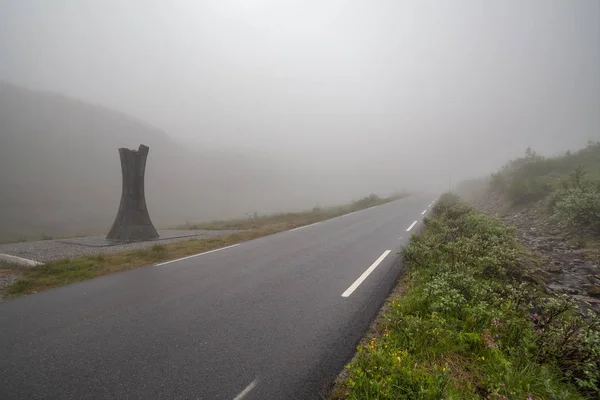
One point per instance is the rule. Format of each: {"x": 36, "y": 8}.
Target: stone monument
{"x": 133, "y": 221}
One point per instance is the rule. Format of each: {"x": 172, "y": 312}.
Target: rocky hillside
{"x": 554, "y": 202}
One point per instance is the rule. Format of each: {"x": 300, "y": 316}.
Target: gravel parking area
{"x": 51, "y": 250}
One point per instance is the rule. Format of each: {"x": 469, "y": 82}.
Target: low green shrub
{"x": 578, "y": 207}
{"x": 576, "y": 202}
{"x": 498, "y": 182}
{"x": 526, "y": 190}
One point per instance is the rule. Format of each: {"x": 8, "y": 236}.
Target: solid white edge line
{"x": 197, "y": 255}
{"x": 365, "y": 274}
{"x": 298, "y": 228}
{"x": 411, "y": 226}
{"x": 303, "y": 226}
{"x": 339, "y": 216}
{"x": 423, "y": 213}
{"x": 19, "y": 260}
{"x": 247, "y": 390}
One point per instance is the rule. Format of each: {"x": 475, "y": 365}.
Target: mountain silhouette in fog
{"x": 61, "y": 172}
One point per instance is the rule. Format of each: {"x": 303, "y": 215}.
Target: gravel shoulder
{"x": 58, "y": 249}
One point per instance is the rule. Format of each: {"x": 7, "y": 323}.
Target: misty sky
{"x": 420, "y": 88}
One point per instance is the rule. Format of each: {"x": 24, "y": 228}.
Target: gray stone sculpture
{"x": 133, "y": 221}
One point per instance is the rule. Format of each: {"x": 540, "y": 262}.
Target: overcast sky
{"x": 425, "y": 87}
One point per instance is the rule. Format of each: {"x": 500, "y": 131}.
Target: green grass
{"x": 471, "y": 325}
{"x": 68, "y": 271}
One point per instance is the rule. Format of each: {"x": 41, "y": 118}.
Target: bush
{"x": 526, "y": 190}
{"x": 580, "y": 207}
{"x": 568, "y": 340}
{"x": 498, "y": 182}
{"x": 576, "y": 201}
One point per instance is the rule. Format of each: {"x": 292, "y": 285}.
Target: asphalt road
{"x": 273, "y": 318}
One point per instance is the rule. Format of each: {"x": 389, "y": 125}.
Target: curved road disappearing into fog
{"x": 272, "y": 318}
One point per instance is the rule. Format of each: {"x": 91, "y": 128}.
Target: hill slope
{"x": 554, "y": 204}
{"x": 61, "y": 171}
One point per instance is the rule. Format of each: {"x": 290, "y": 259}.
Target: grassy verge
{"x": 470, "y": 324}
{"x": 294, "y": 219}
{"x": 67, "y": 271}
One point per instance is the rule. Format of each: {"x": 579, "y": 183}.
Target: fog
{"x": 322, "y": 101}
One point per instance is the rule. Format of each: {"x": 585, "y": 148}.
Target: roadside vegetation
{"x": 471, "y": 323}
{"x": 63, "y": 272}
{"x": 294, "y": 219}
{"x": 568, "y": 185}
